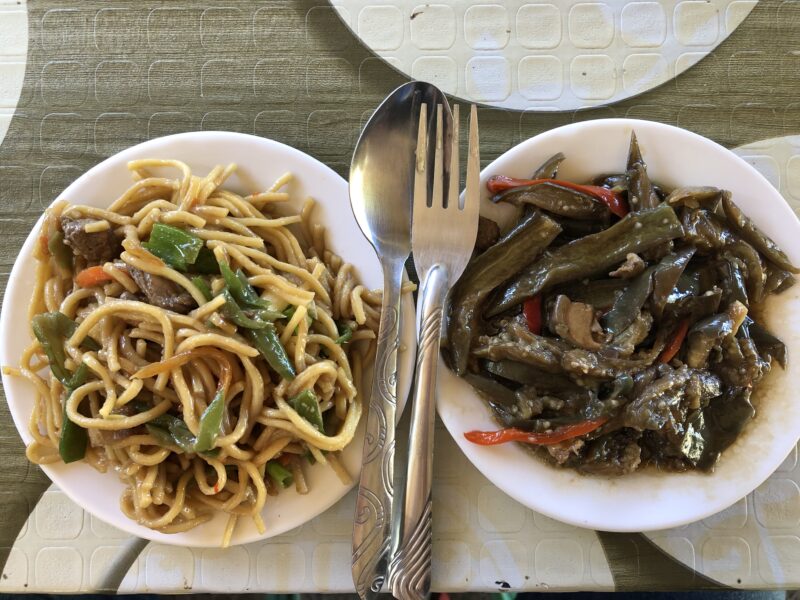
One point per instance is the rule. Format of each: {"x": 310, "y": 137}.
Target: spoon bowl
{"x": 382, "y": 170}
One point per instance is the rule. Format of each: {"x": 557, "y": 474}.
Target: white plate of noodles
{"x": 190, "y": 293}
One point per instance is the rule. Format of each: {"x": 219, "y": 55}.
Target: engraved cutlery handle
{"x": 410, "y": 573}
{"x": 372, "y": 529}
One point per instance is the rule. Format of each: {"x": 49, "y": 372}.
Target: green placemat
{"x": 101, "y": 76}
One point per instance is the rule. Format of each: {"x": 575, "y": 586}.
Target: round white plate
{"x": 260, "y": 162}
{"x": 557, "y": 55}
{"x": 647, "y": 500}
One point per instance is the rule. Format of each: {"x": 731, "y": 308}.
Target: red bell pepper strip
{"x": 512, "y": 434}
{"x": 672, "y": 347}
{"x": 613, "y": 200}
{"x": 532, "y": 309}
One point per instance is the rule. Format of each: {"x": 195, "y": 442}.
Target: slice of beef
{"x": 97, "y": 247}
{"x": 162, "y": 292}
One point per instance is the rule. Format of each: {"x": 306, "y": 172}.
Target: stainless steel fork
{"x": 443, "y": 235}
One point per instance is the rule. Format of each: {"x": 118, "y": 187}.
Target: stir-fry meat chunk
{"x": 94, "y": 246}
{"x": 162, "y": 292}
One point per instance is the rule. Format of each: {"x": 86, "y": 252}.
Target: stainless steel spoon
{"x": 381, "y": 195}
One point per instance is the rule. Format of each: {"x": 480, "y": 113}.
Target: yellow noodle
{"x": 231, "y": 238}
{"x": 259, "y": 199}
{"x": 278, "y": 222}
{"x": 218, "y": 341}
{"x": 291, "y": 293}
{"x": 121, "y": 277}
{"x": 226, "y": 537}
{"x": 183, "y": 218}
{"x": 281, "y": 181}
{"x": 338, "y": 468}
{"x": 205, "y": 309}
{"x": 299, "y": 479}
{"x": 113, "y": 289}
{"x": 144, "y": 184}
{"x": 211, "y": 212}
{"x": 150, "y": 459}
{"x": 298, "y": 317}
{"x": 94, "y": 227}
{"x": 272, "y": 450}
{"x": 318, "y": 456}
{"x": 162, "y": 205}
{"x": 99, "y": 213}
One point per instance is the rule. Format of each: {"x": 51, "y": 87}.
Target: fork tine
{"x": 472, "y": 195}
{"x": 420, "y": 174}
{"x": 437, "y": 199}
{"x": 455, "y": 174}
{"x": 442, "y": 241}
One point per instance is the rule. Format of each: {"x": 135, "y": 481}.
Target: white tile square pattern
{"x": 643, "y": 24}
{"x": 541, "y": 77}
{"x": 433, "y": 26}
{"x": 539, "y": 26}
{"x": 591, "y": 25}
{"x": 381, "y": 26}
{"x": 486, "y": 27}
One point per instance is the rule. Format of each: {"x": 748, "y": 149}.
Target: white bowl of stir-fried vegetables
{"x": 627, "y": 334}
{"x": 255, "y": 331}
